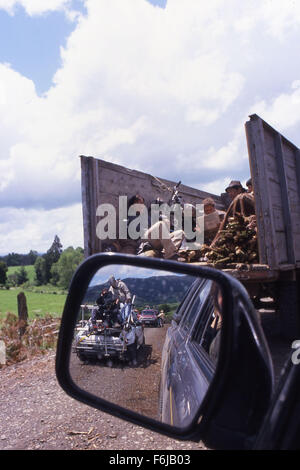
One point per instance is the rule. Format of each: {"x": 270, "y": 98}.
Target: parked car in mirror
{"x": 150, "y": 317}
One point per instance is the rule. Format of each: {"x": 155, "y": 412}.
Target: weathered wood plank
{"x": 264, "y": 216}
{"x": 280, "y": 157}
{"x": 275, "y": 170}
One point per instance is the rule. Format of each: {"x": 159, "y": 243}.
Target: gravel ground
{"x": 35, "y": 413}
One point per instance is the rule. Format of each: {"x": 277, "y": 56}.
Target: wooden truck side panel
{"x": 275, "y": 165}
{"x": 103, "y": 182}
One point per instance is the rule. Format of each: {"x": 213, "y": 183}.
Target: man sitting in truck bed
{"x": 242, "y": 203}
{"x": 234, "y": 188}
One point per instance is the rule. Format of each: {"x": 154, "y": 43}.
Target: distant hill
{"x": 153, "y": 290}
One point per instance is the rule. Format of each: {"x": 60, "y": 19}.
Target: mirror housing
{"x": 241, "y": 390}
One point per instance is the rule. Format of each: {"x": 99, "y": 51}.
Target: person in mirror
{"x": 107, "y": 308}
{"x": 128, "y": 335}
{"x": 161, "y": 318}
{"x": 122, "y": 296}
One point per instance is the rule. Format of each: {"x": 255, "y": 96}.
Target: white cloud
{"x": 216, "y": 187}
{"x": 283, "y": 110}
{"x": 22, "y": 230}
{"x": 166, "y": 91}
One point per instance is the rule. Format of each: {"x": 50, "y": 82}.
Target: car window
{"x": 192, "y": 310}
{"x": 186, "y": 299}
{"x": 206, "y": 334}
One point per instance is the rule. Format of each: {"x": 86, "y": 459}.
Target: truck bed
{"x": 246, "y": 272}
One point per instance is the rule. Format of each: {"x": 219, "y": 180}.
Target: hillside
{"x": 152, "y": 290}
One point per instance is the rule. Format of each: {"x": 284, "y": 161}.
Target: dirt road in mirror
{"x": 135, "y": 388}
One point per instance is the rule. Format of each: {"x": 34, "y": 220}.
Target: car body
{"x": 184, "y": 380}
{"x": 100, "y": 341}
{"x": 235, "y": 403}
{"x": 149, "y": 317}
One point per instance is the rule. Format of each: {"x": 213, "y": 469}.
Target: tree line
{"x": 17, "y": 259}
{"x": 55, "y": 267}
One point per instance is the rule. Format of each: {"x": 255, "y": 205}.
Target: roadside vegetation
{"x": 44, "y": 279}
{"x": 44, "y": 282}
{"x": 38, "y": 337}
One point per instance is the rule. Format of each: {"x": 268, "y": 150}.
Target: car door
{"x": 172, "y": 341}
{"x": 188, "y": 372}
{"x": 171, "y": 335}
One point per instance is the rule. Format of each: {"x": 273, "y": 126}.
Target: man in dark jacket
{"x": 107, "y": 308}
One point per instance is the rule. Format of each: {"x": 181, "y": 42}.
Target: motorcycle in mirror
{"x": 148, "y": 340}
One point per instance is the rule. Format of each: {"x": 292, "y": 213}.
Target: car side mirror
{"x": 212, "y": 380}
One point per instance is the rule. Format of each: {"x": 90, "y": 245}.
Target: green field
{"x": 29, "y": 269}
{"x": 41, "y": 300}
{"x": 38, "y": 304}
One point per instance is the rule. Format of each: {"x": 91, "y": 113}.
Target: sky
{"x": 162, "y": 86}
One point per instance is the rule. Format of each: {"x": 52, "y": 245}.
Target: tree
{"x": 52, "y": 256}
{"x": 40, "y": 271}
{"x": 67, "y": 264}
{"x": 3, "y": 271}
{"x": 22, "y": 276}
{"x": 13, "y": 259}
{"x": 165, "y": 307}
{"x": 31, "y": 257}
{"x": 17, "y": 259}
{"x": 54, "y": 274}
{"x": 55, "y": 250}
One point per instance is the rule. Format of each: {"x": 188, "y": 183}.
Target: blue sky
{"x": 161, "y": 86}
{"x": 32, "y": 44}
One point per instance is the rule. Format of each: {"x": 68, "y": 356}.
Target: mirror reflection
{"x": 148, "y": 341}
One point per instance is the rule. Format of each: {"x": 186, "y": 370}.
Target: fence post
{"x": 22, "y": 313}
{"x": 2, "y": 353}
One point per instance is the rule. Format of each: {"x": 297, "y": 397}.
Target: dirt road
{"x": 35, "y": 413}
{"x": 135, "y": 388}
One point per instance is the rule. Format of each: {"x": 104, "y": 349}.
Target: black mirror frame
{"x": 231, "y": 290}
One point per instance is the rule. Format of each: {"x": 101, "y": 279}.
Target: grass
{"x": 38, "y": 304}
{"x": 41, "y": 300}
{"x": 29, "y": 269}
